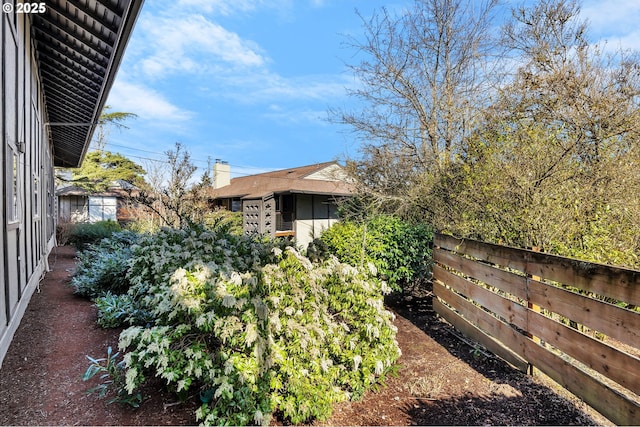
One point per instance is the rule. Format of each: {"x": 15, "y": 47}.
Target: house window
{"x": 12, "y": 178}
{"x": 36, "y": 191}
{"x": 102, "y": 208}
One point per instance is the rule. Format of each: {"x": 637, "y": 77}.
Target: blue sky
{"x": 250, "y": 81}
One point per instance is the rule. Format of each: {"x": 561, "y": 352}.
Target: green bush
{"x": 120, "y": 310}
{"x": 143, "y": 225}
{"x": 157, "y": 256}
{"x": 82, "y": 235}
{"x": 103, "y": 266}
{"x": 255, "y": 329}
{"x": 399, "y": 250}
{"x": 229, "y": 221}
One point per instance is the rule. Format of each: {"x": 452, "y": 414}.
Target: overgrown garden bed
{"x": 440, "y": 381}
{"x": 251, "y": 326}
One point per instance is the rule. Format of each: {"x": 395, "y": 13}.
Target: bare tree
{"x": 422, "y": 77}
{"x": 566, "y": 79}
{"x": 553, "y": 164}
{"x": 170, "y": 195}
{"x": 545, "y": 156}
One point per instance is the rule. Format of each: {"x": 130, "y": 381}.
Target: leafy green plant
{"x": 103, "y": 266}
{"x": 399, "y": 250}
{"x": 255, "y": 329}
{"x": 143, "y": 224}
{"x": 120, "y": 310}
{"x": 112, "y": 374}
{"x": 82, "y": 235}
{"x": 230, "y": 221}
{"x": 157, "y": 256}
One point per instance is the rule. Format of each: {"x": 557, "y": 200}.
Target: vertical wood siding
{"x": 28, "y": 222}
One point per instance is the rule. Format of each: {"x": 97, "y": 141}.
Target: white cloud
{"x": 193, "y": 44}
{"x": 307, "y": 87}
{"x": 611, "y": 15}
{"x": 271, "y": 87}
{"x": 175, "y": 41}
{"x": 146, "y": 103}
{"x": 177, "y": 46}
{"x": 614, "y": 22}
{"x": 630, "y": 41}
{"x": 229, "y": 7}
{"x": 294, "y": 116}
{"x": 221, "y": 7}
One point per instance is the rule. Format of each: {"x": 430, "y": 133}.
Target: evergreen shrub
{"x": 118, "y": 310}
{"x": 401, "y": 251}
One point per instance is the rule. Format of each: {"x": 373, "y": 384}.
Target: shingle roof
{"x": 79, "y": 191}
{"x": 118, "y": 187}
{"x": 79, "y": 45}
{"x": 304, "y": 179}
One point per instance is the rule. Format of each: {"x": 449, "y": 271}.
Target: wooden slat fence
{"x": 568, "y": 318}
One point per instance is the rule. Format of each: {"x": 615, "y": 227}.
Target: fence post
{"x": 535, "y": 308}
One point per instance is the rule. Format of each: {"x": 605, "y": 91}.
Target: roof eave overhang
{"x": 268, "y": 194}
{"x": 320, "y": 193}
{"x": 79, "y": 45}
{"x": 123, "y": 38}
{"x": 227, "y": 196}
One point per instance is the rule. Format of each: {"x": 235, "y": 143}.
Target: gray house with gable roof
{"x": 298, "y": 202}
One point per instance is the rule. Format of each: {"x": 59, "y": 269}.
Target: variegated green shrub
{"x": 255, "y": 329}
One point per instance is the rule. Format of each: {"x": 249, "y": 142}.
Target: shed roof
{"x": 304, "y": 179}
{"x": 74, "y": 190}
{"x": 79, "y": 45}
{"x": 118, "y": 188}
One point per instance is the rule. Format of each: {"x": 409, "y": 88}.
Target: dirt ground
{"x": 442, "y": 380}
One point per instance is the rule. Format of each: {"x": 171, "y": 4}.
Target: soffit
{"x": 79, "y": 45}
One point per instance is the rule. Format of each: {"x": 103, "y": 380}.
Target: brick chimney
{"x": 221, "y": 174}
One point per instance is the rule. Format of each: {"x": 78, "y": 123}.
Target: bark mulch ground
{"x": 441, "y": 380}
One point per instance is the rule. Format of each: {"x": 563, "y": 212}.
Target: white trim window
{"x": 13, "y": 210}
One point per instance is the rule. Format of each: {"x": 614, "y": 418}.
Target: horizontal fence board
{"x": 598, "y": 395}
{"x": 477, "y": 309}
{"x": 500, "y": 255}
{"x": 496, "y": 341}
{"x": 615, "y": 322}
{"x": 510, "y": 311}
{"x": 495, "y": 327}
{"x": 608, "y": 361}
{"x": 613, "y": 282}
{"x": 501, "y": 279}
